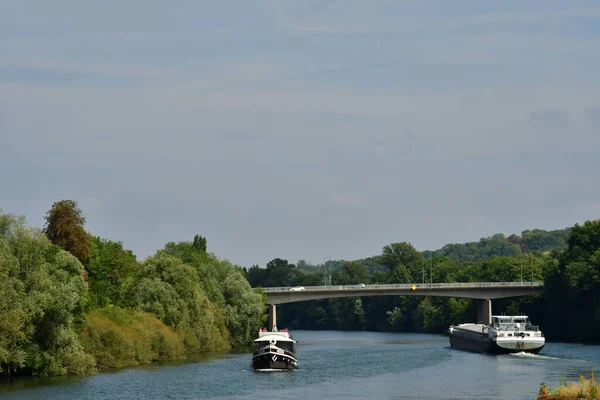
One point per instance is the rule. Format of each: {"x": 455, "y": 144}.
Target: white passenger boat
{"x": 275, "y": 350}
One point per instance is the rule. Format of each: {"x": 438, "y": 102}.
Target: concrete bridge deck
{"x": 471, "y": 290}
{"x": 483, "y": 292}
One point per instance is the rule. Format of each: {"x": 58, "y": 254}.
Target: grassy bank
{"x": 585, "y": 389}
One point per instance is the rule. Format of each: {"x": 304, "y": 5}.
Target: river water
{"x": 332, "y": 365}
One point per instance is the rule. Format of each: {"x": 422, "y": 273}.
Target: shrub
{"x": 118, "y": 337}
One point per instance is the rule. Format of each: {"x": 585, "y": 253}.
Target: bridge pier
{"x": 272, "y": 321}
{"x": 484, "y": 311}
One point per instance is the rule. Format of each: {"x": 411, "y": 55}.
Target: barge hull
{"x": 487, "y": 346}
{"x": 273, "y": 362}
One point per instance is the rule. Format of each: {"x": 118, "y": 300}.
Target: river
{"x": 332, "y": 365}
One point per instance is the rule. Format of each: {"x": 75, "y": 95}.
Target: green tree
{"x": 64, "y": 228}
{"x": 403, "y": 253}
{"x": 42, "y": 298}
{"x": 225, "y": 284}
{"x": 170, "y": 289}
{"x": 280, "y": 272}
{"x": 256, "y": 276}
{"x": 353, "y": 272}
{"x": 200, "y": 243}
{"x": 108, "y": 266}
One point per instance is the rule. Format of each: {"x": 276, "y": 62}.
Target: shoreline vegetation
{"x": 75, "y": 303}
{"x": 585, "y": 389}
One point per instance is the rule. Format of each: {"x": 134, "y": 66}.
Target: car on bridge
{"x": 297, "y": 288}
{"x": 361, "y": 285}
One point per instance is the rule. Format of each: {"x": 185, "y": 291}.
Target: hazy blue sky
{"x": 301, "y": 129}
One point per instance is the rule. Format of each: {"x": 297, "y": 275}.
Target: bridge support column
{"x": 484, "y": 311}
{"x": 272, "y": 322}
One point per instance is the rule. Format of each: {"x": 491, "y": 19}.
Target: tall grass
{"x": 585, "y": 389}
{"x": 119, "y": 337}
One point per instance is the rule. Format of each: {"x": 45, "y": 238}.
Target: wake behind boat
{"x": 506, "y": 334}
{"x": 274, "y": 351}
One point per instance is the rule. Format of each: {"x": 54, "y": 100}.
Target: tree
{"x": 200, "y": 243}
{"x": 64, "y": 228}
{"x": 170, "y": 289}
{"x": 256, "y": 275}
{"x": 403, "y": 254}
{"x": 580, "y": 276}
{"x": 280, "y": 273}
{"x": 353, "y": 272}
{"x": 42, "y": 297}
{"x": 239, "y": 309}
{"x": 108, "y": 266}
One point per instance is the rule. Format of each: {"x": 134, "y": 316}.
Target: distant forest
{"x": 73, "y": 303}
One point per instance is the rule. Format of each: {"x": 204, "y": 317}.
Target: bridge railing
{"x": 457, "y": 285}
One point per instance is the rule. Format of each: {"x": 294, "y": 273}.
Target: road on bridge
{"x": 471, "y": 290}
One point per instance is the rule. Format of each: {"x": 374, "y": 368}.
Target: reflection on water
{"x": 332, "y": 365}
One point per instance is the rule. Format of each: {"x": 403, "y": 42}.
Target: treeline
{"x": 536, "y": 240}
{"x": 71, "y": 302}
{"x": 568, "y": 261}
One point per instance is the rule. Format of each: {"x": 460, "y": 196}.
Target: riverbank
{"x": 64, "y": 315}
{"x": 585, "y": 389}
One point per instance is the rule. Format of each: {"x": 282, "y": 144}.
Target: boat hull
{"x": 485, "y": 345}
{"x": 273, "y": 361}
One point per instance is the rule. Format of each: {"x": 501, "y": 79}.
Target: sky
{"x": 301, "y": 129}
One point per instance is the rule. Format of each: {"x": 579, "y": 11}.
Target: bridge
{"x": 483, "y": 292}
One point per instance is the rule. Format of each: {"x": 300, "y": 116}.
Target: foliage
{"x": 118, "y": 338}
{"x": 403, "y": 254}
{"x": 587, "y": 388}
{"x": 170, "y": 290}
{"x": 181, "y": 300}
{"x": 242, "y": 310}
{"x": 573, "y": 286}
{"x": 108, "y": 266}
{"x": 542, "y": 241}
{"x": 64, "y": 228}
{"x": 42, "y": 297}
{"x": 278, "y": 272}
{"x": 373, "y": 264}
{"x": 404, "y": 264}
{"x": 184, "y": 299}
{"x": 352, "y": 273}
{"x": 200, "y": 243}
{"x": 511, "y": 246}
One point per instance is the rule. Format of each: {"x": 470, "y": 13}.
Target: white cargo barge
{"x": 506, "y": 334}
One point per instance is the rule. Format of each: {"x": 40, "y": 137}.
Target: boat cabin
{"x": 512, "y": 323}
{"x": 281, "y": 339}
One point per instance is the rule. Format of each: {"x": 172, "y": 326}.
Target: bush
{"x": 587, "y": 389}
{"x": 118, "y": 337}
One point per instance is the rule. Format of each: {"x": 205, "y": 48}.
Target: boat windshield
{"x": 285, "y": 345}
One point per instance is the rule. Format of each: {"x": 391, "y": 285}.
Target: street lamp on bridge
{"x": 325, "y": 264}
